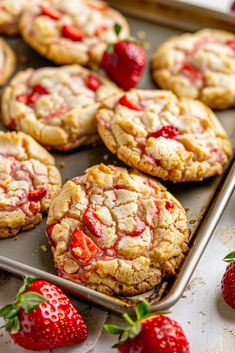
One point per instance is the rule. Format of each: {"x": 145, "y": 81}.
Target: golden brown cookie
{"x": 199, "y": 65}
{"x": 116, "y": 231}
{"x": 7, "y": 61}
{"x": 72, "y": 32}
{"x": 56, "y": 106}
{"x": 177, "y": 139}
{"x": 28, "y": 181}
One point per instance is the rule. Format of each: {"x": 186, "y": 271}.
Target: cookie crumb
{"x": 62, "y": 164}
{"x": 141, "y": 34}
{"x": 44, "y": 248}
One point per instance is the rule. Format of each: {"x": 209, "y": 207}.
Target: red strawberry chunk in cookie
{"x": 40, "y": 89}
{"x": 31, "y": 99}
{"x": 231, "y": 43}
{"x": 92, "y": 222}
{"x": 52, "y": 13}
{"x": 169, "y": 204}
{"x": 168, "y": 131}
{"x": 37, "y": 195}
{"x": 82, "y": 247}
{"x": 49, "y": 231}
{"x": 193, "y": 73}
{"x": 99, "y": 5}
{"x": 138, "y": 228}
{"x": 93, "y": 82}
{"x": 72, "y": 32}
{"x": 128, "y": 104}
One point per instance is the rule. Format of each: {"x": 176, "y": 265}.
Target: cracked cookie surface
{"x": 199, "y": 65}
{"x": 28, "y": 181}
{"x": 116, "y": 231}
{"x": 177, "y": 139}
{"x": 56, "y": 106}
{"x": 72, "y": 32}
{"x": 7, "y": 61}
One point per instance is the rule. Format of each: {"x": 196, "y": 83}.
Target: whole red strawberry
{"x": 43, "y": 317}
{"x": 124, "y": 61}
{"x": 228, "y": 280}
{"x": 151, "y": 333}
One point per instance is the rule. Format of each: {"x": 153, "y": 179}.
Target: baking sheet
{"x": 30, "y": 252}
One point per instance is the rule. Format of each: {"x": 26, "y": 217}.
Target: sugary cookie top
{"x": 199, "y": 65}
{"x": 56, "y": 106}
{"x": 68, "y": 28}
{"x": 7, "y": 61}
{"x": 113, "y": 217}
{"x": 28, "y": 178}
{"x": 10, "y": 11}
{"x": 156, "y": 132}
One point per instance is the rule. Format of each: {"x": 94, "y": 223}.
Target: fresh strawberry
{"x": 92, "y": 82}
{"x": 168, "y": 131}
{"x": 129, "y": 104}
{"x": 82, "y": 247}
{"x": 92, "y": 222}
{"x": 192, "y": 73}
{"x": 37, "y": 195}
{"x": 52, "y": 13}
{"x": 72, "y": 32}
{"x": 124, "y": 61}
{"x": 43, "y": 317}
{"x": 228, "y": 280}
{"x": 231, "y": 43}
{"x": 150, "y": 333}
{"x": 138, "y": 228}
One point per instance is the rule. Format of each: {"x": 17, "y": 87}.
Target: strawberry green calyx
{"x": 143, "y": 311}
{"x": 117, "y": 29}
{"x": 24, "y": 300}
{"x": 230, "y": 257}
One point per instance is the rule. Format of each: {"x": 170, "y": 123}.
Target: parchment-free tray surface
{"x": 30, "y": 248}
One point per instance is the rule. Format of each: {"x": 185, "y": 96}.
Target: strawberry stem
{"x": 230, "y": 257}
{"x": 129, "y": 320}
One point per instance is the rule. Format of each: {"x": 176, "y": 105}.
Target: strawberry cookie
{"x": 28, "y": 181}
{"x": 116, "y": 231}
{"x": 10, "y": 11}
{"x": 56, "y": 106}
{"x": 72, "y": 32}
{"x": 199, "y": 65}
{"x": 157, "y": 133}
{"x": 7, "y": 61}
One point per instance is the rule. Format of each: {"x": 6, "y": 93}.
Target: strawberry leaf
{"x": 230, "y": 257}
{"x": 12, "y": 313}
{"x": 27, "y": 281}
{"x": 5, "y": 310}
{"x": 115, "y": 330}
{"x": 30, "y": 300}
{"x": 13, "y": 325}
{"x": 117, "y": 29}
{"x": 142, "y": 309}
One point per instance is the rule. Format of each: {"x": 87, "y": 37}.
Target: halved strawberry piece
{"x": 52, "y": 13}
{"x": 169, "y": 204}
{"x": 138, "y": 228}
{"x": 193, "y": 73}
{"x": 168, "y": 131}
{"x": 72, "y": 32}
{"x": 99, "y": 5}
{"x": 129, "y": 104}
{"x": 49, "y": 231}
{"x": 82, "y": 247}
{"x": 92, "y": 222}
{"x": 37, "y": 195}
{"x": 92, "y": 82}
{"x": 40, "y": 89}
{"x": 231, "y": 43}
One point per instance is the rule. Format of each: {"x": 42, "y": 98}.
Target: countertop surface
{"x": 207, "y": 321}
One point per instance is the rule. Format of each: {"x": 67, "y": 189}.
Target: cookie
{"x": 116, "y": 231}
{"x": 10, "y": 11}
{"x": 177, "y": 139}
{"x": 56, "y": 106}
{"x": 7, "y": 61}
{"x": 72, "y": 32}
{"x": 199, "y": 65}
{"x": 28, "y": 181}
